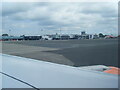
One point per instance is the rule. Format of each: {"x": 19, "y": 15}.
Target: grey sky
{"x": 47, "y": 18}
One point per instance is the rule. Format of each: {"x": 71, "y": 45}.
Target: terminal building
{"x": 32, "y": 37}
{"x": 88, "y": 36}
{"x": 9, "y": 38}
{"x": 6, "y": 37}
{"x": 65, "y": 37}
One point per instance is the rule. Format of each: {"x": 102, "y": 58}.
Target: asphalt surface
{"x": 69, "y": 52}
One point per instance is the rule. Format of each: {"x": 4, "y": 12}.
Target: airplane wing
{"x": 19, "y": 72}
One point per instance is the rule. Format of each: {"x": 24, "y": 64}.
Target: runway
{"x": 68, "y": 52}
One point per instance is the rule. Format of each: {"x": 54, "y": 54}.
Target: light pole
{"x": 9, "y": 32}
{"x": 60, "y": 33}
{"x": 41, "y": 32}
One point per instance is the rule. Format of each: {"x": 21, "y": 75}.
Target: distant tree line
{"x": 5, "y": 35}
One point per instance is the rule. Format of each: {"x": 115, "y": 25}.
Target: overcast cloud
{"x": 47, "y": 18}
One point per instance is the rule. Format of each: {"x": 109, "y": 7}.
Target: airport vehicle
{"x": 19, "y": 72}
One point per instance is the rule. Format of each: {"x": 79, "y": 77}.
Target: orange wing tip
{"x": 113, "y": 70}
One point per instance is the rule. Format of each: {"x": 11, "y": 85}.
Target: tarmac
{"x": 69, "y": 52}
